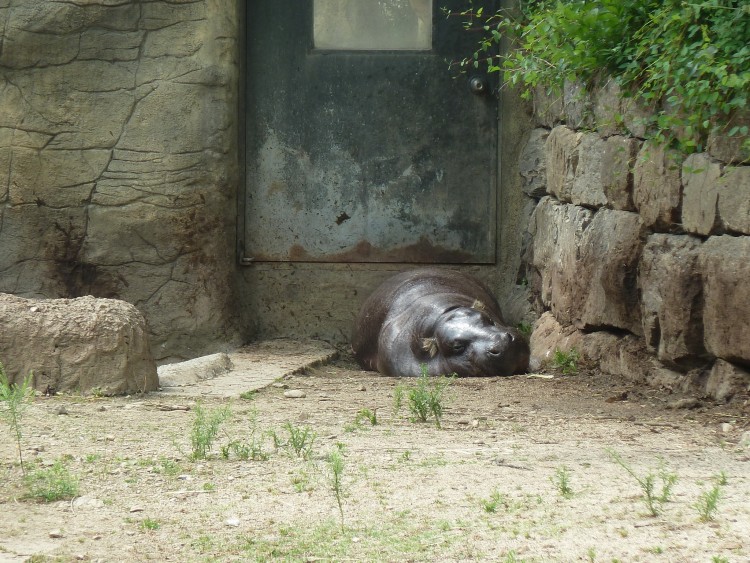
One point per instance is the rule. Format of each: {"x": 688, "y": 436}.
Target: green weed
{"x": 336, "y": 466}
{"x": 687, "y": 61}
{"x": 169, "y": 467}
{"x": 511, "y": 557}
{"x": 302, "y": 481}
{"x": 363, "y": 416}
{"x": 150, "y": 524}
{"x": 52, "y": 483}
{"x": 567, "y": 362}
{"x": 205, "y": 428}
{"x": 491, "y": 504}
{"x": 654, "y": 499}
{"x": 707, "y": 503}
{"x": 14, "y": 399}
{"x": 300, "y": 440}
{"x": 366, "y": 415}
{"x": 561, "y": 480}
{"x": 425, "y": 398}
{"x": 249, "y": 449}
{"x": 525, "y": 328}
{"x": 244, "y": 451}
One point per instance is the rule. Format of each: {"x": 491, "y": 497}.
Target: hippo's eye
{"x": 458, "y": 346}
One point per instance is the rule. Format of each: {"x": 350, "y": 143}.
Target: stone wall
{"x": 118, "y": 160}
{"x": 637, "y": 255}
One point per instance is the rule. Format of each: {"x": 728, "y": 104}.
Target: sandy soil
{"x": 486, "y": 486}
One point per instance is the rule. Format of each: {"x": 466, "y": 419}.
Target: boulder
{"x": 734, "y": 199}
{"x": 556, "y": 229}
{"x": 532, "y": 164}
{"x": 604, "y": 279}
{"x": 577, "y": 105}
{"x": 548, "y": 107}
{"x": 587, "y": 264}
{"x": 608, "y": 108}
{"x": 700, "y": 176}
{"x": 657, "y": 189}
{"x": 562, "y": 161}
{"x": 672, "y": 299}
{"x": 725, "y": 269}
{"x": 730, "y": 149}
{"x": 587, "y": 189}
{"x": 617, "y": 171}
{"x": 727, "y": 380}
{"x": 81, "y": 345}
{"x": 549, "y": 335}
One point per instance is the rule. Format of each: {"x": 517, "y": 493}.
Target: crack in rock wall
{"x": 118, "y": 160}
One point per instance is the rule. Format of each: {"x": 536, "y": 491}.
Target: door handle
{"x": 478, "y": 85}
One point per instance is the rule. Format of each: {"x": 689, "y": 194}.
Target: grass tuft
{"x": 205, "y": 428}
{"x": 52, "y": 483}
{"x": 654, "y": 499}
{"x": 425, "y": 399}
{"x": 13, "y": 402}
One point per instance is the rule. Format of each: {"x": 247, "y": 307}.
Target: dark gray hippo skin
{"x": 444, "y": 319}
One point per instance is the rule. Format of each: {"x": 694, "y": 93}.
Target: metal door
{"x": 361, "y": 144}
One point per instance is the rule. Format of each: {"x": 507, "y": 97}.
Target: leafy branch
{"x": 689, "y": 61}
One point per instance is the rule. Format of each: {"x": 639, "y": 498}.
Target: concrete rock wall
{"x": 640, "y": 256}
{"x": 118, "y": 161}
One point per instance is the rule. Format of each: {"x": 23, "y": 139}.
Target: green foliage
{"x": 707, "y": 504}
{"x": 363, "y": 415}
{"x": 13, "y": 402}
{"x": 300, "y": 440}
{"x": 52, "y": 483}
{"x": 249, "y": 395}
{"x": 561, "y": 480}
{"x": 491, "y": 504}
{"x": 244, "y": 451}
{"x": 205, "y": 428}
{"x": 424, "y": 399}
{"x": 366, "y": 415}
{"x": 689, "y": 61}
{"x": 150, "y": 524}
{"x": 654, "y": 499}
{"x": 336, "y": 465}
{"x": 567, "y": 362}
{"x": 525, "y": 329}
{"x": 250, "y": 448}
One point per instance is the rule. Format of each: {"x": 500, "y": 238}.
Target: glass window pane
{"x": 372, "y": 24}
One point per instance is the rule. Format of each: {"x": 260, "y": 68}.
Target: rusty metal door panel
{"x": 364, "y": 156}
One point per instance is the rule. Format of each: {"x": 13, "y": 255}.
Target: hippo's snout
{"x": 501, "y": 344}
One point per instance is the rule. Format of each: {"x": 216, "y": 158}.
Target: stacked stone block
{"x": 640, "y": 255}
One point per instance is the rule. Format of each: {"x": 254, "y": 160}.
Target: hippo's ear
{"x": 478, "y": 305}
{"x": 430, "y": 345}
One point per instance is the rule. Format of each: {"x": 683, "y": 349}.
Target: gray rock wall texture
{"x": 118, "y": 160}
{"x": 640, "y": 256}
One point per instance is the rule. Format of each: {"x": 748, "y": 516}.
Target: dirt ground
{"x": 487, "y": 486}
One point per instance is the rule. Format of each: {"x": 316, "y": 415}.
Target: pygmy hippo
{"x": 444, "y": 319}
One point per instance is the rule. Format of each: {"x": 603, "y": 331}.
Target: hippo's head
{"x": 469, "y": 343}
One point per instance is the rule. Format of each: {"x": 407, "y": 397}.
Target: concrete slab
{"x": 253, "y": 367}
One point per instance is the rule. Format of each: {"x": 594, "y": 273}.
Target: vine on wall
{"x": 689, "y": 61}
